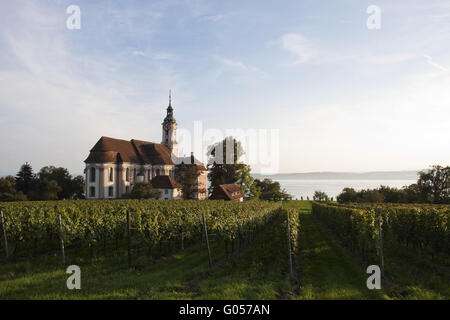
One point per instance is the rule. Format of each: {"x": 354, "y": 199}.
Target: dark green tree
{"x": 371, "y": 196}
{"x": 8, "y": 190}
{"x": 77, "y": 187}
{"x": 70, "y": 188}
{"x": 412, "y": 194}
{"x": 187, "y": 175}
{"x": 393, "y": 195}
{"x": 25, "y": 179}
{"x": 224, "y": 166}
{"x": 348, "y": 195}
{"x": 271, "y": 190}
{"x": 45, "y": 190}
{"x": 434, "y": 184}
{"x": 61, "y": 176}
{"x": 320, "y": 196}
{"x": 143, "y": 190}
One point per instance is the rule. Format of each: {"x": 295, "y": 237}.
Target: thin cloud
{"x": 213, "y": 18}
{"x": 391, "y": 58}
{"x": 138, "y": 53}
{"x": 434, "y": 64}
{"x": 238, "y": 65}
{"x": 238, "y": 71}
{"x": 299, "y": 46}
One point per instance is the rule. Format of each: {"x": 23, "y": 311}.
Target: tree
{"x": 8, "y": 190}
{"x": 392, "y": 195}
{"x": 45, "y": 189}
{"x": 224, "y": 166}
{"x": 70, "y": 188}
{"x": 370, "y": 196}
{"x": 320, "y": 196}
{"x": 25, "y": 179}
{"x": 347, "y": 195}
{"x": 411, "y": 193}
{"x": 143, "y": 190}
{"x": 187, "y": 175}
{"x": 434, "y": 184}
{"x": 350, "y": 195}
{"x": 271, "y": 190}
{"x": 77, "y": 187}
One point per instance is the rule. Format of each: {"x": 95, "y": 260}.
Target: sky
{"x": 341, "y": 96}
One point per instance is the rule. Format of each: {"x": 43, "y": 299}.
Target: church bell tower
{"x": 169, "y": 129}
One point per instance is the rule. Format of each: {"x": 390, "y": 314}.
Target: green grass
{"x": 108, "y": 277}
{"x": 326, "y": 271}
{"x": 415, "y": 278}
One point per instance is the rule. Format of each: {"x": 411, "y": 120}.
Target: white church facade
{"x": 114, "y": 165}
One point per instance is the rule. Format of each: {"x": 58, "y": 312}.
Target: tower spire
{"x": 169, "y": 126}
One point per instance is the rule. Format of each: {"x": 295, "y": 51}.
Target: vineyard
{"x": 422, "y": 229}
{"x": 156, "y": 227}
{"x": 147, "y": 249}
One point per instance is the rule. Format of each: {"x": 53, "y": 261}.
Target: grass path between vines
{"x": 326, "y": 271}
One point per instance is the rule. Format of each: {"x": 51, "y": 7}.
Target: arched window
{"x": 127, "y": 174}
{"x": 111, "y": 174}
{"x": 92, "y": 174}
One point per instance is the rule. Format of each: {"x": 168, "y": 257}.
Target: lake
{"x": 304, "y": 188}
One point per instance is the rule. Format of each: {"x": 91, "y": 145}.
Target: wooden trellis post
{"x": 129, "y": 239}
{"x": 4, "y": 234}
{"x": 182, "y": 241}
{"x": 289, "y": 244}
{"x": 380, "y": 236}
{"x": 61, "y": 239}
{"x": 207, "y": 240}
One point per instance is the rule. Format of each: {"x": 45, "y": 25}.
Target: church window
{"x": 92, "y": 174}
{"x": 127, "y": 174}
{"x": 111, "y": 174}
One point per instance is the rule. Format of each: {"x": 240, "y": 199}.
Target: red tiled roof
{"x": 135, "y": 151}
{"x": 165, "y": 182}
{"x": 153, "y": 153}
{"x": 102, "y": 157}
{"x": 229, "y": 191}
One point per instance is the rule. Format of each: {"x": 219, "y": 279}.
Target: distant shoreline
{"x": 374, "y": 175}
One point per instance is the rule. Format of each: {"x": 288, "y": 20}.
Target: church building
{"x": 114, "y": 165}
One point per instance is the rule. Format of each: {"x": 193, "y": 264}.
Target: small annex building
{"x": 227, "y": 192}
